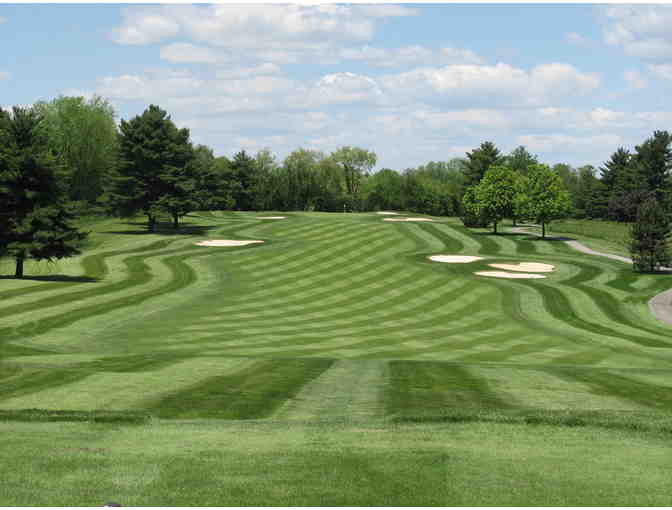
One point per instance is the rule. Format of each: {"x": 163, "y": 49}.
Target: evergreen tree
{"x": 479, "y": 161}
{"x": 648, "y": 237}
{"x": 154, "y": 173}
{"x": 244, "y": 171}
{"x": 653, "y": 160}
{"x": 618, "y": 164}
{"x": 35, "y": 214}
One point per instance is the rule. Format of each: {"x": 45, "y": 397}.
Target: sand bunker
{"x": 226, "y": 242}
{"x": 532, "y": 267}
{"x": 504, "y": 274}
{"x": 454, "y": 259}
{"x": 407, "y": 219}
{"x": 271, "y": 217}
{"x": 387, "y": 212}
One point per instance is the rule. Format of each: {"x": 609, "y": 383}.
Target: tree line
{"x": 69, "y": 157}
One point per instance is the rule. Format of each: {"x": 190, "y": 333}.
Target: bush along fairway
{"x": 332, "y": 364}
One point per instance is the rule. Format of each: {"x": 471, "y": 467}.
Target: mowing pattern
{"x": 333, "y": 315}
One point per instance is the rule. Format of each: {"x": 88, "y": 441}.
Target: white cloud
{"x": 151, "y": 85}
{"x": 265, "y": 69}
{"x": 563, "y": 142}
{"x": 469, "y": 117}
{"x": 500, "y": 83}
{"x": 190, "y": 53}
{"x": 254, "y": 86}
{"x": 635, "y": 79}
{"x": 245, "y": 26}
{"x": 385, "y": 10}
{"x": 641, "y": 30}
{"x": 144, "y": 26}
{"x": 662, "y": 70}
{"x": 338, "y": 88}
{"x": 3, "y": 20}
{"x": 4, "y": 75}
{"x": 409, "y": 55}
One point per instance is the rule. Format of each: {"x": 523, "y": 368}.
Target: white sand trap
{"x": 454, "y": 259}
{"x": 226, "y": 242}
{"x": 407, "y": 219}
{"x": 388, "y": 212}
{"x": 271, "y": 217}
{"x": 504, "y": 274}
{"x": 532, "y": 267}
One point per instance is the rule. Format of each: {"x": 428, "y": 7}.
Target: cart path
{"x": 660, "y": 305}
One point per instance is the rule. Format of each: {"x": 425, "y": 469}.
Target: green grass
{"x": 604, "y": 236}
{"x": 185, "y": 375}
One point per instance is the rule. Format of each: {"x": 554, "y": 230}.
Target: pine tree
{"x": 479, "y": 161}
{"x": 648, "y": 237}
{"x": 244, "y": 170}
{"x": 653, "y": 161}
{"x": 155, "y": 175}
{"x": 35, "y": 214}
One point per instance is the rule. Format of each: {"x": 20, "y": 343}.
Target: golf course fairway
{"x": 332, "y": 364}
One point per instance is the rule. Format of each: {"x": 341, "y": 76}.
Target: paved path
{"x": 660, "y": 305}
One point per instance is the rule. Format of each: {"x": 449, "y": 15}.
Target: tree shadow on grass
{"x": 163, "y": 228}
{"x": 53, "y": 278}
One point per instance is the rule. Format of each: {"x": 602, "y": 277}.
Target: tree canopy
{"x": 35, "y": 214}
{"x": 155, "y": 170}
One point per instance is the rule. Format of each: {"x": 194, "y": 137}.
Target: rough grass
{"x": 335, "y": 350}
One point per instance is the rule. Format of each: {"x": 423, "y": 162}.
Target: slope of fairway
{"x": 340, "y": 328}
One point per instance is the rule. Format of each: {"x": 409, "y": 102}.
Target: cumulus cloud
{"x": 500, "y": 83}
{"x": 190, "y": 53}
{"x": 564, "y": 142}
{"x": 245, "y": 26}
{"x": 641, "y": 30}
{"x": 265, "y": 69}
{"x": 385, "y": 10}
{"x": 149, "y": 86}
{"x": 338, "y": 88}
{"x": 409, "y": 55}
{"x": 144, "y": 26}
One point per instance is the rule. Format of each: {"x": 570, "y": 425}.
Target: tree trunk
{"x": 543, "y": 229}
{"x": 151, "y": 223}
{"x": 495, "y": 227}
{"x": 19, "y": 267}
{"x": 514, "y": 222}
{"x": 176, "y": 220}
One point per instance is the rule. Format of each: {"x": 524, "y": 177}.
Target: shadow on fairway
{"x": 53, "y": 278}
{"x": 164, "y": 228}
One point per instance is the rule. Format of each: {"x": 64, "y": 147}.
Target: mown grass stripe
{"x": 421, "y": 388}
{"x": 348, "y": 389}
{"x": 253, "y": 393}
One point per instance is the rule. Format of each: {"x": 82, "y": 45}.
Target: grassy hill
{"x": 332, "y": 365}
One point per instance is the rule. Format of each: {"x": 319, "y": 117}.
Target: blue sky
{"x": 411, "y": 82}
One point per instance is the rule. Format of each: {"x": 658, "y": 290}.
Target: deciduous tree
{"x": 546, "y": 197}
{"x": 83, "y": 136}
